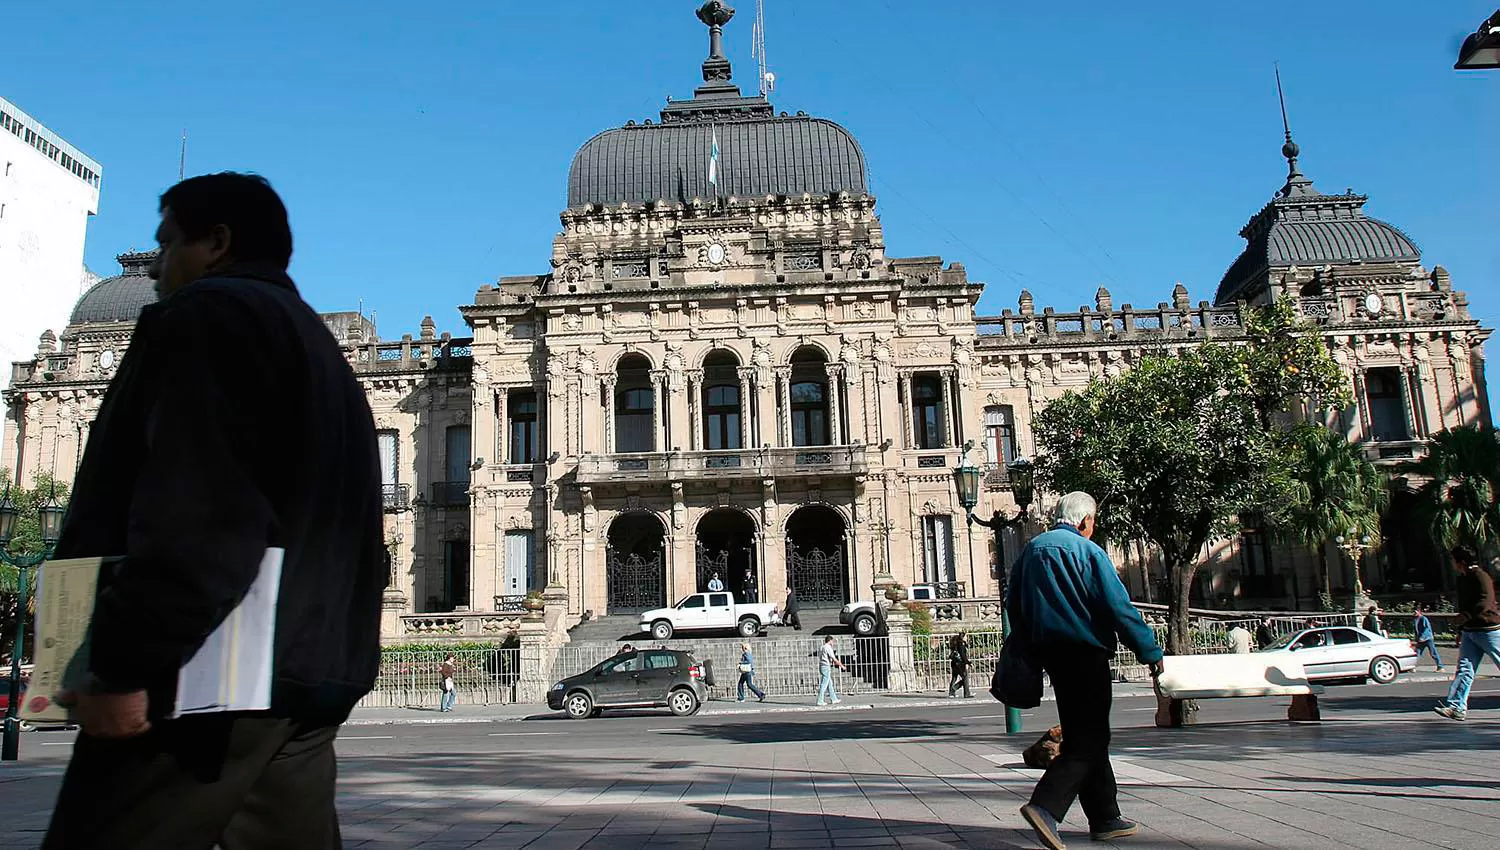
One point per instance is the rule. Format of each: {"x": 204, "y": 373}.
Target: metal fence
{"x": 932, "y": 658}
{"x": 411, "y": 679}
{"x": 783, "y": 667}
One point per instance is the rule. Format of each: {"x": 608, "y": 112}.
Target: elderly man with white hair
{"x": 1068, "y": 611}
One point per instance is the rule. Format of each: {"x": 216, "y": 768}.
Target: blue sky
{"x": 423, "y": 148}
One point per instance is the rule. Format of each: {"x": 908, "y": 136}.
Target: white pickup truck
{"x": 707, "y": 612}
{"x": 866, "y": 617}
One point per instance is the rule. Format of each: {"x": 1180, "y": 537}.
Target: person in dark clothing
{"x": 234, "y": 426}
{"x": 1371, "y": 622}
{"x": 1068, "y": 612}
{"x": 1480, "y": 629}
{"x": 747, "y": 587}
{"x": 1423, "y": 638}
{"x": 790, "y": 617}
{"x": 958, "y": 665}
{"x": 1264, "y": 635}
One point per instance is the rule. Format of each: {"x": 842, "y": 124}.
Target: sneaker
{"x": 821, "y": 704}
{"x": 1044, "y": 825}
{"x": 762, "y": 698}
{"x": 1112, "y": 829}
{"x": 1450, "y": 712}
{"x": 836, "y": 701}
{"x": 741, "y": 699}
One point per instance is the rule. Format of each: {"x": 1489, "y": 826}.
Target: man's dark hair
{"x": 244, "y": 203}
{"x": 1464, "y": 555}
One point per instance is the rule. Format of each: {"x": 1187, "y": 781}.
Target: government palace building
{"x": 734, "y": 377}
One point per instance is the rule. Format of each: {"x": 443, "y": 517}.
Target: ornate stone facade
{"x": 736, "y": 378}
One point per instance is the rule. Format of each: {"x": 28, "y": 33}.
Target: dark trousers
{"x": 1081, "y": 683}
{"x": 241, "y": 782}
{"x": 960, "y": 679}
{"x": 791, "y": 619}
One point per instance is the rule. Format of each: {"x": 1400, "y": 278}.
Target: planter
{"x": 534, "y": 603}
{"x": 895, "y": 593}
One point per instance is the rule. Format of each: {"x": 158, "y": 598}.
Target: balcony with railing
{"x": 803, "y": 461}
{"x": 395, "y": 497}
{"x": 450, "y": 494}
{"x": 1392, "y": 452}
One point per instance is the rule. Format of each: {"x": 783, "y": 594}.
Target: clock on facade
{"x": 107, "y": 359}
{"x": 716, "y": 253}
{"x": 1373, "y": 304}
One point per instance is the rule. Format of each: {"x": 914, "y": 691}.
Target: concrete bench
{"x": 1200, "y": 677}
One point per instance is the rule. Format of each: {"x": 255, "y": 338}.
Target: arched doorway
{"x": 1409, "y": 561}
{"x": 817, "y": 557}
{"x": 635, "y": 569}
{"x": 726, "y": 545}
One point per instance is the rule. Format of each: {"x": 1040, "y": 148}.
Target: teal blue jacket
{"x": 1064, "y": 590}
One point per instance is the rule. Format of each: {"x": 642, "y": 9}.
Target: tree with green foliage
{"x": 26, "y": 540}
{"x": 1182, "y": 445}
{"x": 1336, "y": 490}
{"x": 1461, "y": 497}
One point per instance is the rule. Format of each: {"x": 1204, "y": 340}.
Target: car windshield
{"x": 1282, "y": 643}
{"x": 694, "y": 601}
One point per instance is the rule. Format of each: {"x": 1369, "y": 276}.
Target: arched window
{"x": 635, "y": 403}
{"x": 1000, "y": 433}
{"x": 722, "y": 410}
{"x": 809, "y": 398}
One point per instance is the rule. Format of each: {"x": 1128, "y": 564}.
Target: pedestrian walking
{"x": 447, "y": 671}
{"x": 789, "y": 616}
{"x": 1069, "y": 611}
{"x": 1423, "y": 637}
{"x": 1239, "y": 638}
{"x": 747, "y": 674}
{"x": 715, "y": 584}
{"x": 958, "y": 664}
{"x": 828, "y": 658}
{"x": 233, "y": 434}
{"x": 1479, "y": 629}
{"x": 1264, "y": 634}
{"x": 1371, "y": 622}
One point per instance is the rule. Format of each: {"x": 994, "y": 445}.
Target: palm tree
{"x": 1337, "y": 491}
{"x": 1459, "y": 497}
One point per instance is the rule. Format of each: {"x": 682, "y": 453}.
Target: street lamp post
{"x": 1022, "y": 488}
{"x": 1354, "y": 545}
{"x": 51, "y": 515}
{"x": 1481, "y": 50}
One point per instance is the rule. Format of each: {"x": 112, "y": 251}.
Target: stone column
{"x": 608, "y": 389}
{"x": 659, "y": 409}
{"x": 835, "y": 396}
{"x": 903, "y": 675}
{"x": 784, "y": 412}
{"x": 502, "y": 440}
{"x": 950, "y": 412}
{"x": 766, "y": 427}
{"x": 907, "y": 411}
{"x": 537, "y": 655}
{"x": 854, "y": 394}
{"x": 1361, "y": 408}
{"x": 746, "y": 438}
{"x": 695, "y": 411}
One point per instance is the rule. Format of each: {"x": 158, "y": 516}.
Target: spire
{"x": 716, "y": 71}
{"x": 1297, "y": 183}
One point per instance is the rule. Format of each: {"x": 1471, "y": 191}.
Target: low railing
{"x": 442, "y": 352}
{"x": 738, "y": 463}
{"x": 413, "y": 679}
{"x": 395, "y": 497}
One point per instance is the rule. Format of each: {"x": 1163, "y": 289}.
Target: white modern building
{"x": 48, "y": 190}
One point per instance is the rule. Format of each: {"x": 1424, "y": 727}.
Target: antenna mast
{"x": 765, "y": 78}
{"x": 182, "y": 157}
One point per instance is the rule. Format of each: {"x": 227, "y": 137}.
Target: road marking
{"x": 57, "y": 743}
{"x": 982, "y": 717}
{"x": 515, "y": 734}
{"x": 1126, "y": 771}
{"x": 663, "y": 730}
{"x": 1152, "y": 708}
{"x": 366, "y": 737}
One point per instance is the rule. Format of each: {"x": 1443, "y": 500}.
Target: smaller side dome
{"x": 119, "y": 298}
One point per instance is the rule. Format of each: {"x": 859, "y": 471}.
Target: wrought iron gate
{"x": 635, "y": 583}
{"x": 818, "y": 577}
{"x": 709, "y": 564}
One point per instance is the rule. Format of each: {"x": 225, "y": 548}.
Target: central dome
{"x": 757, "y": 157}
{"x": 119, "y": 298}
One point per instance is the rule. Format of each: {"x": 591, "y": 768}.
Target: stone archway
{"x": 817, "y": 556}
{"x": 635, "y": 567}
{"x": 726, "y": 545}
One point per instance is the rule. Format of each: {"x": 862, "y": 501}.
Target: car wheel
{"x": 683, "y": 702}
{"x": 749, "y": 627}
{"x": 661, "y": 629}
{"x": 864, "y": 625}
{"x": 578, "y": 705}
{"x": 1384, "y": 670}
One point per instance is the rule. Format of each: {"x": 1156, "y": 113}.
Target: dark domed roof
{"x": 1303, "y": 227}
{"x": 760, "y": 153}
{"x": 757, "y": 157}
{"x": 119, "y": 298}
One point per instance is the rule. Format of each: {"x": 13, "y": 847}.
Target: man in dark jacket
{"x": 1068, "y": 612}
{"x": 1479, "y": 620}
{"x": 234, "y": 426}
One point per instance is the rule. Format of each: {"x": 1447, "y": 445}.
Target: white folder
{"x": 232, "y": 670}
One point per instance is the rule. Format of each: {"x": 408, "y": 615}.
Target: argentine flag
{"x": 713, "y": 160}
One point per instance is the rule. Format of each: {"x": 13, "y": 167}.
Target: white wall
{"x": 42, "y": 228}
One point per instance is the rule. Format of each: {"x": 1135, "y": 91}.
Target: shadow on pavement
{"x": 780, "y": 731}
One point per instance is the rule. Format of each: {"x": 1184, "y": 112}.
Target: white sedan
{"x": 1344, "y": 652}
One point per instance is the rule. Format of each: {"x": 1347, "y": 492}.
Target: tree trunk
{"x": 1177, "y": 712}
{"x": 1325, "y": 582}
